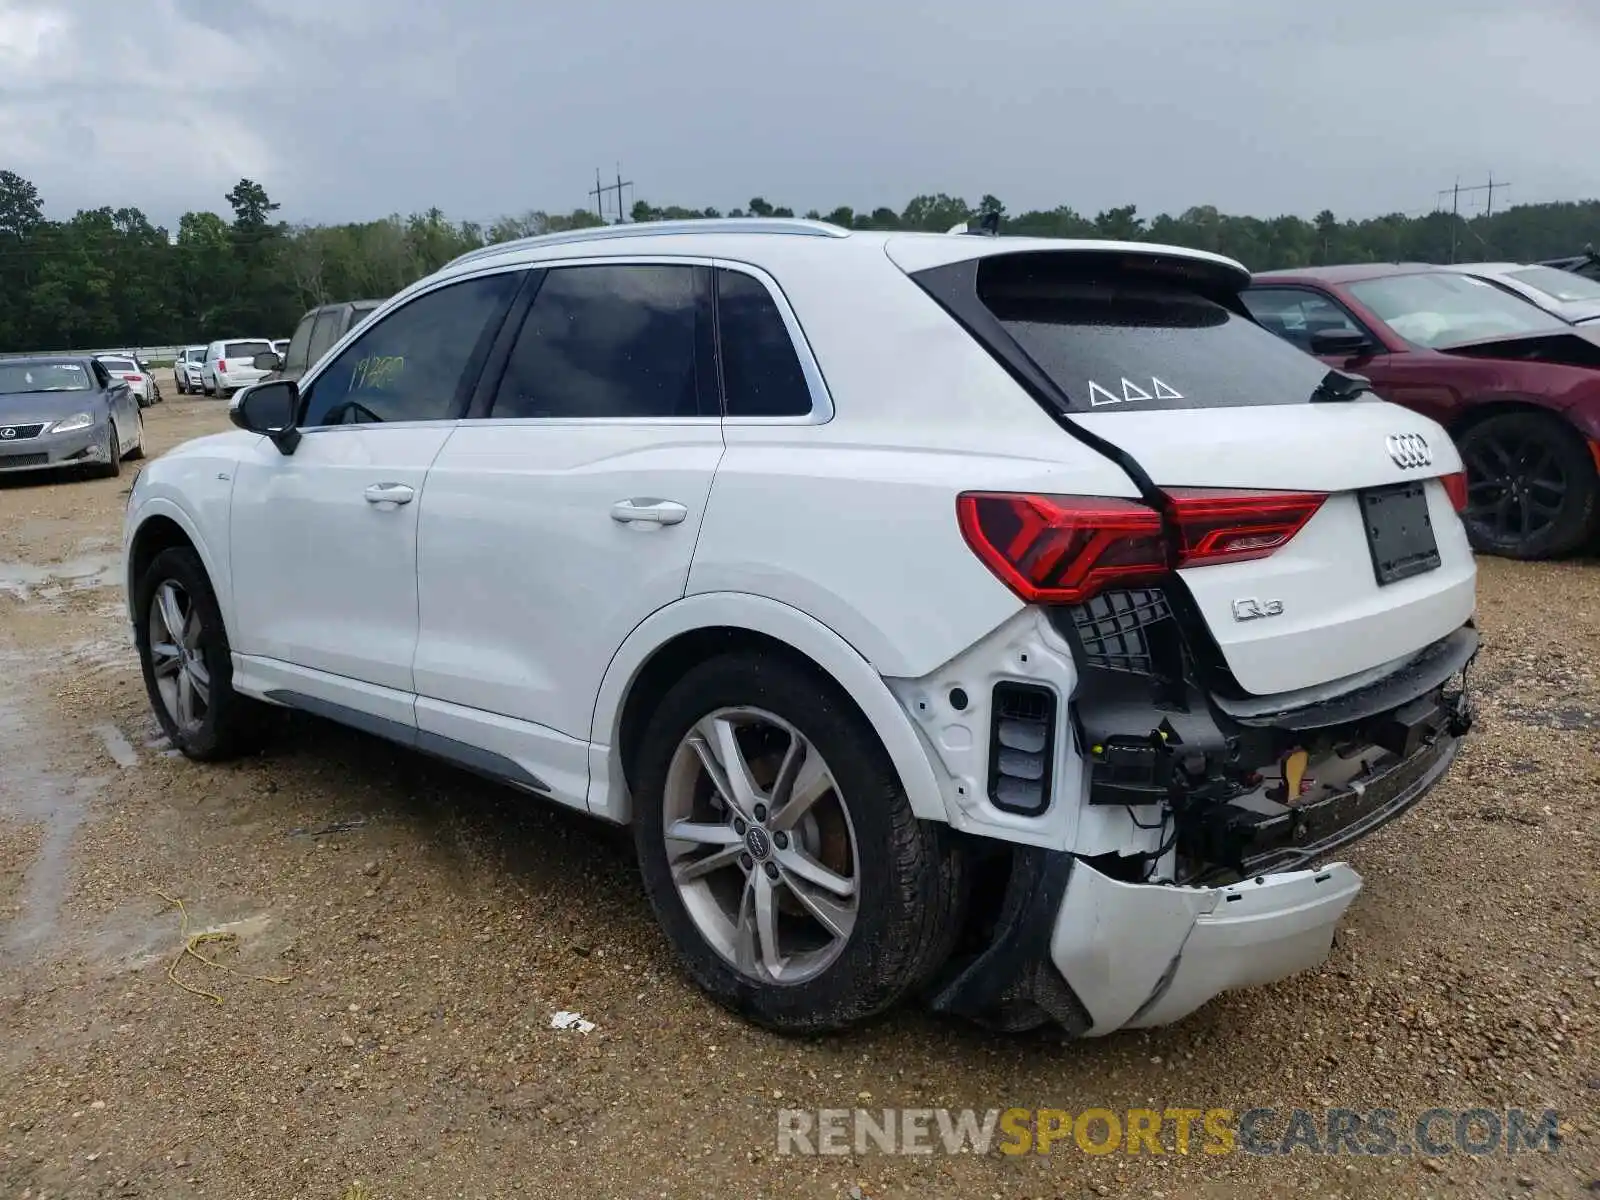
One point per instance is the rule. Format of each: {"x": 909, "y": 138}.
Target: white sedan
{"x": 132, "y": 372}
{"x": 1572, "y": 297}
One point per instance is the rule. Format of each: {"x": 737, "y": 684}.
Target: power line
{"x": 1455, "y": 193}
{"x": 600, "y": 191}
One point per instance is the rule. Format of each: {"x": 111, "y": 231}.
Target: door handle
{"x": 389, "y": 493}
{"x": 648, "y": 512}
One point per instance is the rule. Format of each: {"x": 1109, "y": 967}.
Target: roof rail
{"x": 787, "y": 226}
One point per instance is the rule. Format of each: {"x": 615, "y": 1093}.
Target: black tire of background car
{"x": 233, "y": 723}
{"x": 112, "y": 467}
{"x": 1496, "y": 439}
{"x": 183, "y": 388}
{"x": 910, "y": 873}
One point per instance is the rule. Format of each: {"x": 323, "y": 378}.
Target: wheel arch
{"x": 664, "y": 645}
{"x": 162, "y": 526}
{"x": 1485, "y": 408}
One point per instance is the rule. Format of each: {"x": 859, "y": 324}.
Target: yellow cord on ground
{"x": 191, "y": 941}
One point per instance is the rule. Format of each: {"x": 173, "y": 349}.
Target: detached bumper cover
{"x": 1137, "y": 955}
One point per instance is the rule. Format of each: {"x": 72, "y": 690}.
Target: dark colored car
{"x": 1517, "y": 388}
{"x": 64, "y": 412}
{"x": 318, "y": 330}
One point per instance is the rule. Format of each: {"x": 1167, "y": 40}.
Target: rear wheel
{"x": 138, "y": 446}
{"x": 186, "y": 661}
{"x": 1532, "y": 487}
{"x": 780, "y": 852}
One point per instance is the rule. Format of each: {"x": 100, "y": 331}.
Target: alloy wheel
{"x": 176, "y": 657}
{"x": 1515, "y": 485}
{"x": 761, "y": 845}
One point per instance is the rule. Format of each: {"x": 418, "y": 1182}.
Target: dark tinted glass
{"x": 1294, "y": 314}
{"x": 1117, "y": 341}
{"x": 607, "y": 341}
{"x": 324, "y": 333}
{"x": 297, "y": 358}
{"x": 409, "y": 366}
{"x": 761, "y": 375}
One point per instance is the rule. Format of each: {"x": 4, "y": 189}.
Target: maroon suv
{"x": 1518, "y": 388}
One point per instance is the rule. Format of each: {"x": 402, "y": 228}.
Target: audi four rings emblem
{"x": 1409, "y": 450}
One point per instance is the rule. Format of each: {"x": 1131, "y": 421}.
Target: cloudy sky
{"x": 349, "y": 109}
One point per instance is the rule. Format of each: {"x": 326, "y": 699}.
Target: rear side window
{"x": 324, "y": 333}
{"x": 1125, "y": 334}
{"x": 611, "y": 341}
{"x": 761, "y": 373}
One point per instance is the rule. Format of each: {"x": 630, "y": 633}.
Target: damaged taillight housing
{"x": 1065, "y": 549}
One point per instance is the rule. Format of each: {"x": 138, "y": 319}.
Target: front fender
{"x": 213, "y": 550}
{"x": 608, "y": 790}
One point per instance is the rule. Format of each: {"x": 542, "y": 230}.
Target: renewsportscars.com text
{"x": 1433, "y": 1133}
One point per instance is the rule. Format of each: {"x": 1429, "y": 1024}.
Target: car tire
{"x": 907, "y": 876}
{"x": 112, "y": 467}
{"x": 138, "y": 446}
{"x": 1532, "y": 488}
{"x": 215, "y": 722}
{"x": 183, "y": 388}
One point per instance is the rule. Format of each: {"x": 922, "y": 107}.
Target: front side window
{"x": 1442, "y": 309}
{"x": 610, "y": 341}
{"x": 412, "y": 365}
{"x": 761, "y": 373}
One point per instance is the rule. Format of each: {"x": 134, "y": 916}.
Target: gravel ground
{"x": 419, "y": 928}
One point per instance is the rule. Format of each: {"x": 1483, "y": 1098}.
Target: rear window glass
{"x": 1116, "y": 342}
{"x": 245, "y": 349}
{"x": 118, "y": 364}
{"x": 1563, "y": 285}
{"x": 43, "y": 377}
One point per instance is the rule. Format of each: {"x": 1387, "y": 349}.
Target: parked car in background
{"x": 136, "y": 375}
{"x": 318, "y": 330}
{"x": 280, "y": 347}
{"x": 1587, "y": 263}
{"x": 1007, "y": 621}
{"x": 64, "y": 412}
{"x": 228, "y": 366}
{"x": 1573, "y": 297}
{"x": 1517, "y": 387}
{"x": 186, "y": 369}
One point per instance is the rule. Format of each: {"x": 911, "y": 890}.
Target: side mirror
{"x": 268, "y": 408}
{"x": 267, "y": 360}
{"x": 1339, "y": 343}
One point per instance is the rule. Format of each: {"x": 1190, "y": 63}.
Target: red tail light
{"x": 222, "y": 366}
{"x": 1217, "y": 526}
{"x": 133, "y": 378}
{"x": 1065, "y": 549}
{"x": 1455, "y": 486}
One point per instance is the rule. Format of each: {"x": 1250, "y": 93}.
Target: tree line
{"x": 107, "y": 276}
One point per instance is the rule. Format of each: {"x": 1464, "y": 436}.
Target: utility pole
{"x": 601, "y": 190}
{"x": 1455, "y": 193}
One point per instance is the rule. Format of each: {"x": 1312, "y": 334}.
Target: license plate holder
{"x": 1399, "y": 531}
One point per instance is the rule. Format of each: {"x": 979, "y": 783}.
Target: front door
{"x": 324, "y": 540}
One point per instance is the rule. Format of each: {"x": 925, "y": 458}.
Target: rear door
{"x": 1157, "y": 357}
{"x": 566, "y": 512}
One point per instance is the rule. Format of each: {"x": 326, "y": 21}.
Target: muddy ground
{"x": 420, "y": 928}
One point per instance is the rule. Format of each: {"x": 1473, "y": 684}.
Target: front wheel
{"x": 186, "y": 660}
{"x": 780, "y": 853}
{"x": 111, "y": 466}
{"x": 1532, "y": 487}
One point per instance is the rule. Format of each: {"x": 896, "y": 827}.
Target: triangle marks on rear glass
{"x": 1165, "y": 391}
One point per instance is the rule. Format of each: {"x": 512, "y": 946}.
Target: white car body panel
{"x": 502, "y": 615}
{"x": 517, "y": 536}
{"x": 330, "y": 582}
